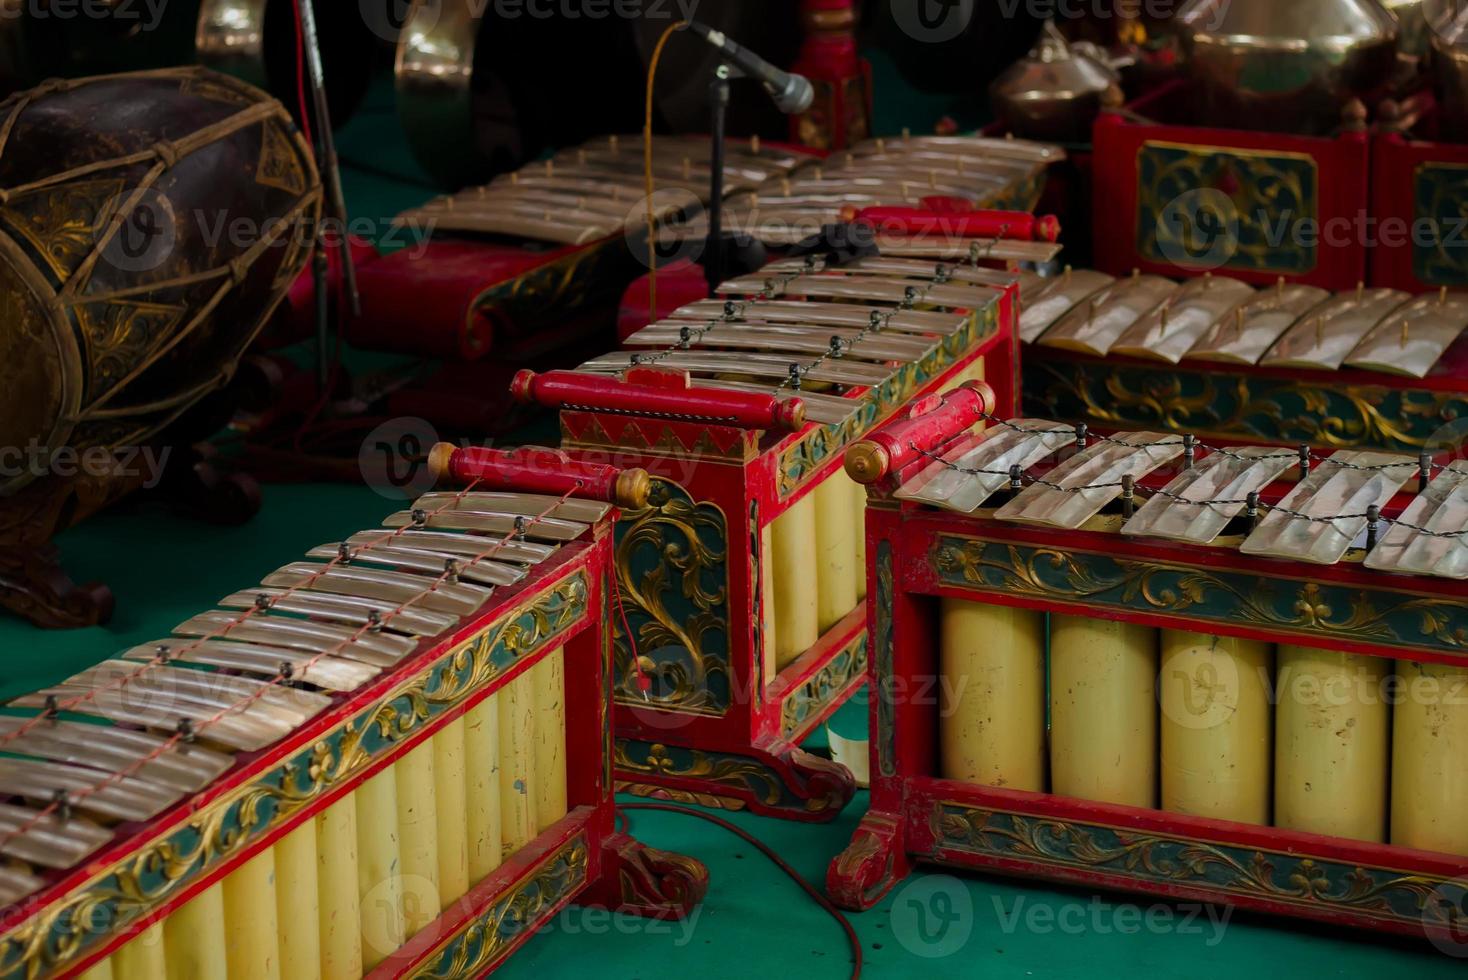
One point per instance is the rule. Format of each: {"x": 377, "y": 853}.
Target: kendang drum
{"x": 149, "y": 224}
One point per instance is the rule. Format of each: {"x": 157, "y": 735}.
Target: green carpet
{"x": 755, "y": 923}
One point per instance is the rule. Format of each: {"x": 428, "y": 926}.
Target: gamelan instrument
{"x": 389, "y": 758}
{"x": 1290, "y": 362}
{"x": 536, "y": 260}
{"x": 739, "y": 579}
{"x": 1289, "y": 69}
{"x": 951, "y": 173}
{"x": 130, "y": 292}
{"x": 1220, "y": 674}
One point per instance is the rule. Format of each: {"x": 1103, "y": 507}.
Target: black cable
{"x": 778, "y": 861}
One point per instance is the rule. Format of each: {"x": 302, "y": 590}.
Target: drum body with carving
{"x": 149, "y": 223}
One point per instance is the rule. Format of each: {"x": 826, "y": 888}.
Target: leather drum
{"x": 149, "y": 224}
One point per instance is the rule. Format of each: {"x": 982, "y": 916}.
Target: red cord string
{"x": 172, "y": 741}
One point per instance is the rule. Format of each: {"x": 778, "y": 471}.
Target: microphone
{"x": 792, "y": 93}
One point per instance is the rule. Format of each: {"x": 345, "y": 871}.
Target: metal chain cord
{"x": 1252, "y": 502}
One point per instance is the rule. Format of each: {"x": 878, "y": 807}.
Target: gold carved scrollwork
{"x": 730, "y": 770}
{"x": 1278, "y": 876}
{"x": 672, "y": 571}
{"x": 476, "y": 949}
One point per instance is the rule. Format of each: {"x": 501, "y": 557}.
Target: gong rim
{"x": 433, "y": 73}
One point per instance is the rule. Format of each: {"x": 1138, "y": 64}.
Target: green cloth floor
{"x": 755, "y": 923}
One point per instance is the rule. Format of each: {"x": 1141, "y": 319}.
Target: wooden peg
{"x": 1442, "y": 296}
{"x": 550, "y": 168}
{"x": 754, "y": 144}
{"x": 687, "y": 169}
{"x": 1162, "y": 322}
{"x": 1239, "y": 322}
{"x": 613, "y": 143}
{"x": 881, "y": 145}
{"x": 906, "y": 134}
{"x": 1406, "y": 326}
{"x": 1136, "y": 273}
{"x": 1066, "y": 277}
{"x": 1360, "y": 290}
{"x": 1279, "y": 287}
{"x": 1319, "y": 332}
{"x": 514, "y": 176}
{"x": 581, "y": 157}
{"x": 784, "y": 186}
{"x": 933, "y": 179}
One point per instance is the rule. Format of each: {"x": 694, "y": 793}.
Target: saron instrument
{"x": 1170, "y": 667}
{"x": 358, "y": 764}
{"x": 1360, "y": 368}
{"x": 739, "y": 579}
{"x": 149, "y": 224}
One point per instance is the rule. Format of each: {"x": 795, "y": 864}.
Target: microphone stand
{"x": 713, "y": 266}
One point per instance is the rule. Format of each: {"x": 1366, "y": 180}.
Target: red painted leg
{"x": 874, "y": 861}
{"x": 642, "y": 880}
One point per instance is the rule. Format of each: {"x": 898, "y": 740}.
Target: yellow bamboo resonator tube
{"x": 297, "y": 903}
{"x": 797, "y": 624}
{"x": 482, "y": 760}
{"x": 340, "y": 900}
{"x": 1103, "y": 710}
{"x": 992, "y": 700}
{"x": 418, "y": 834}
{"x": 1331, "y": 744}
{"x": 835, "y": 554}
{"x": 549, "y": 683}
{"x": 1216, "y": 726}
{"x": 858, "y": 530}
{"x": 379, "y": 867}
{"x": 142, "y": 956}
{"x": 252, "y": 942}
{"x": 194, "y": 937}
{"x": 768, "y": 586}
{"x": 451, "y": 784}
{"x": 517, "y": 751}
{"x": 1430, "y": 759}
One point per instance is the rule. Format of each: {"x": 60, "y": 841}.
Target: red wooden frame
{"x": 1119, "y": 138}
{"x": 583, "y": 857}
{"x": 916, "y": 816}
{"x": 1410, "y": 170}
{"x": 715, "y": 457}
